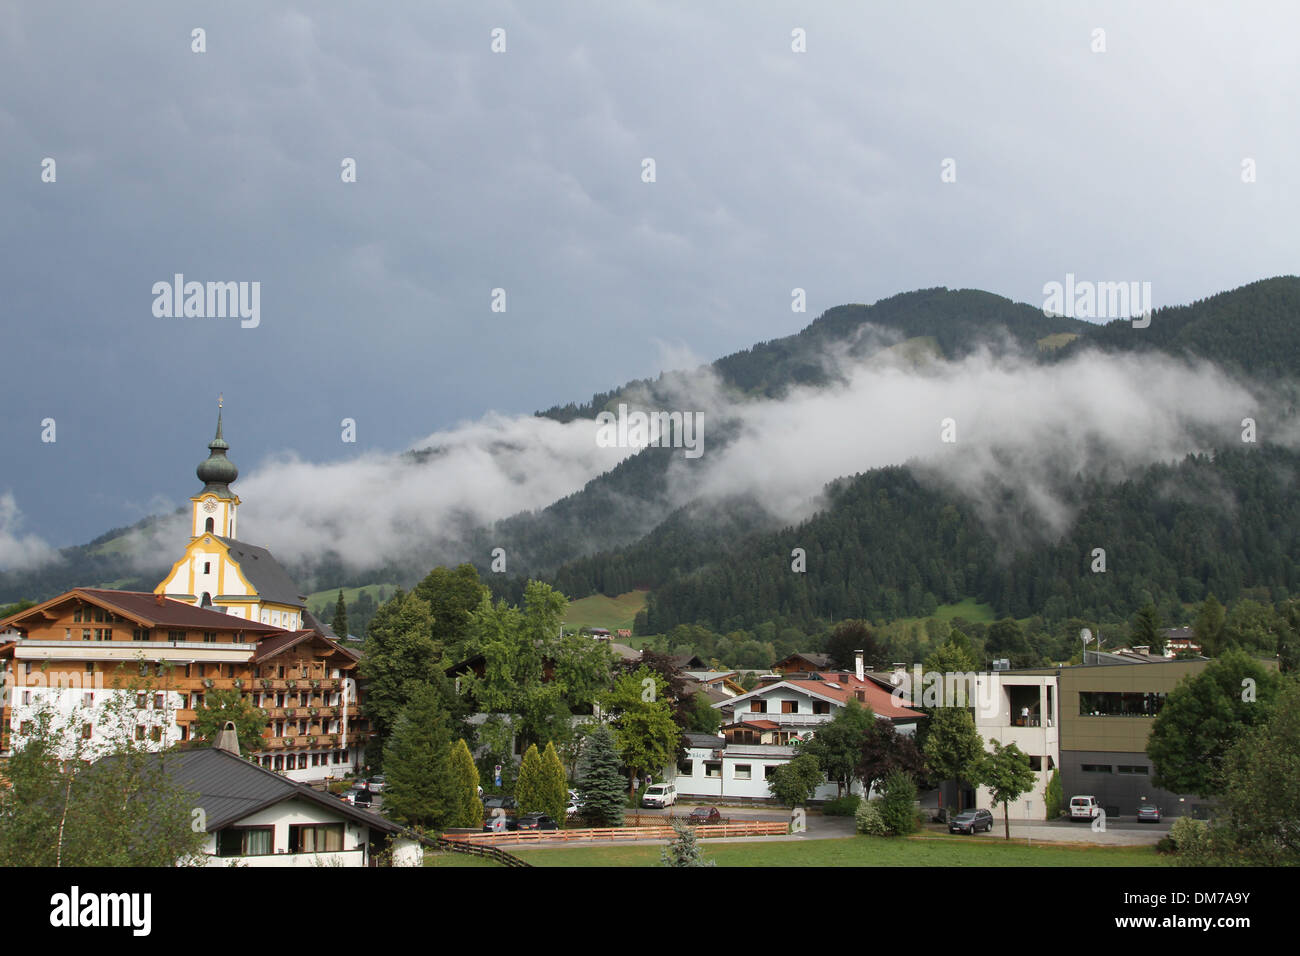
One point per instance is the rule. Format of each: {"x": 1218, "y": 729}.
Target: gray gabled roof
{"x": 311, "y": 622}
{"x": 265, "y": 573}
{"x": 229, "y": 788}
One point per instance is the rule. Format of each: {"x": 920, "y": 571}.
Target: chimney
{"x": 227, "y": 740}
{"x": 857, "y": 660}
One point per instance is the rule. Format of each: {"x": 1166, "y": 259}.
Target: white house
{"x": 1020, "y": 709}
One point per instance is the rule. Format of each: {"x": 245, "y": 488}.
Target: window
{"x": 1133, "y": 769}
{"x": 821, "y": 707}
{"x": 175, "y": 635}
{"x": 140, "y": 634}
{"x": 209, "y": 637}
{"x": 27, "y": 697}
{"x": 239, "y": 637}
{"x": 1119, "y": 704}
{"x": 686, "y": 768}
{"x": 1095, "y": 768}
{"x": 158, "y": 701}
{"x": 25, "y": 727}
{"x": 789, "y": 707}
{"x": 767, "y": 770}
{"x": 67, "y": 633}
{"x": 141, "y": 701}
{"x": 713, "y": 768}
{"x": 316, "y": 838}
{"x": 245, "y": 841}
{"x": 209, "y": 525}
{"x": 207, "y": 567}
{"x": 743, "y": 771}
{"x": 155, "y": 734}
{"x": 76, "y": 616}
{"x": 85, "y": 633}
{"x": 87, "y": 731}
{"x": 139, "y": 731}
{"x": 291, "y": 762}
{"x": 758, "y": 707}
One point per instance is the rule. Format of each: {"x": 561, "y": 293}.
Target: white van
{"x": 659, "y": 795}
{"x": 1084, "y": 808}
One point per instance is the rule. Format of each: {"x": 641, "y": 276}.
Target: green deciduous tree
{"x": 884, "y": 749}
{"x": 793, "y": 784}
{"x": 953, "y": 747}
{"x": 898, "y": 803}
{"x": 600, "y": 780}
{"x": 838, "y": 744}
{"x": 642, "y": 720}
{"x": 220, "y": 706}
{"x": 1203, "y": 717}
{"x": 1005, "y": 773}
{"x": 1208, "y": 626}
{"x": 400, "y": 656}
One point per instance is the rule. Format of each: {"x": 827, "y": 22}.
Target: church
{"x": 219, "y": 571}
{"x": 227, "y": 618}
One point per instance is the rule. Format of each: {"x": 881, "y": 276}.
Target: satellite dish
{"x": 1085, "y": 635}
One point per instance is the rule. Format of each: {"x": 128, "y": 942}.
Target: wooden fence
{"x": 461, "y": 845}
{"x": 658, "y": 832}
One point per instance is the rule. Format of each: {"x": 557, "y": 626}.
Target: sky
{"x": 524, "y": 170}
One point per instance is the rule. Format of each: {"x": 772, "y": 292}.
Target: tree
{"x": 898, "y": 803}
{"x": 401, "y": 656}
{"x": 1053, "y": 796}
{"x": 701, "y": 716}
{"x": 953, "y": 747}
{"x": 110, "y": 803}
{"x": 420, "y": 789}
{"x": 643, "y": 723}
{"x": 884, "y": 749}
{"x": 340, "y": 623}
{"x": 1146, "y": 630}
{"x": 529, "y": 786}
{"x": 1208, "y": 626}
{"x": 794, "y": 783}
{"x": 1203, "y": 717}
{"x": 554, "y": 786}
{"x": 851, "y": 636}
{"x": 683, "y": 850}
{"x": 220, "y": 706}
{"x": 453, "y": 594}
{"x": 466, "y": 808}
{"x": 600, "y": 782}
{"x": 1260, "y": 803}
{"x": 838, "y": 744}
{"x": 1005, "y": 772}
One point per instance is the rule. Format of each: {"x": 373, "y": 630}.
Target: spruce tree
{"x": 467, "y": 807}
{"x": 600, "y": 780}
{"x": 419, "y": 789}
{"x": 340, "y": 623}
{"x": 555, "y": 789}
{"x": 683, "y": 850}
{"x": 530, "y": 787}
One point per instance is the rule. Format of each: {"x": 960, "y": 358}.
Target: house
{"x": 762, "y": 728}
{"x": 103, "y": 655}
{"x": 256, "y": 817}
{"x": 723, "y": 681}
{"x": 802, "y": 662}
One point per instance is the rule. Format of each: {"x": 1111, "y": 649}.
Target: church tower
{"x": 215, "y": 506}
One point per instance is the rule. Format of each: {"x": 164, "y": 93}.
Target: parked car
{"x": 1084, "y": 808}
{"x": 659, "y": 795}
{"x": 1148, "y": 814}
{"x": 359, "y": 795}
{"x": 377, "y": 783}
{"x": 704, "y": 815}
{"x": 971, "y": 821}
{"x": 536, "y": 821}
{"x": 499, "y": 822}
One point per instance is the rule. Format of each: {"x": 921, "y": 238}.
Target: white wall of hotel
{"x": 64, "y": 686}
{"x": 1002, "y": 699}
{"x": 300, "y": 812}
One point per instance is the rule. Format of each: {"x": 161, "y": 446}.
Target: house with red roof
{"x": 762, "y": 730}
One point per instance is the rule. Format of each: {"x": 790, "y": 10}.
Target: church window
{"x": 209, "y": 525}
{"x": 207, "y": 567}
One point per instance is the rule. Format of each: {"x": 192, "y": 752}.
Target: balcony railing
{"x": 800, "y": 720}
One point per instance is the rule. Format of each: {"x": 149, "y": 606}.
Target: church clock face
{"x": 210, "y": 506}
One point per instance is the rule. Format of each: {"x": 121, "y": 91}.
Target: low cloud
{"x": 18, "y": 551}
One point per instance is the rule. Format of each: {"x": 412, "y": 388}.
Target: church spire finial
{"x": 217, "y": 471}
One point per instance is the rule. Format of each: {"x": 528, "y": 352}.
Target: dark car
{"x": 498, "y": 800}
{"x": 971, "y": 821}
{"x": 499, "y": 822}
{"x": 704, "y": 815}
{"x": 537, "y": 821}
{"x": 1148, "y": 814}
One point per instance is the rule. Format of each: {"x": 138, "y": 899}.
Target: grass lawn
{"x": 607, "y": 612}
{"x": 322, "y": 603}
{"x": 860, "y": 851}
{"x": 445, "y": 858}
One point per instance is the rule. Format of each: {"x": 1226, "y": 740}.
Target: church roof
{"x": 217, "y": 471}
{"x": 264, "y": 573}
